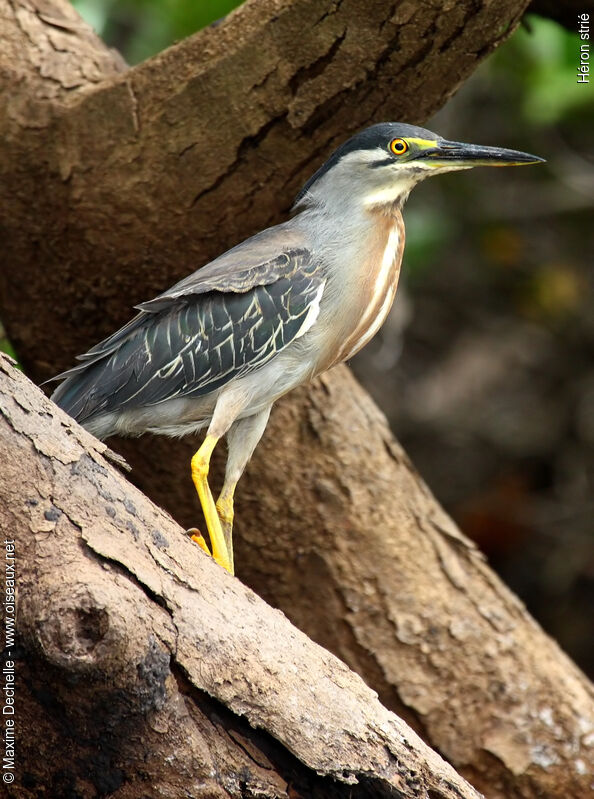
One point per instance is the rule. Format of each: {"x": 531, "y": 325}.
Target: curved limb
{"x": 200, "y": 468}
{"x": 225, "y": 509}
{"x": 242, "y": 439}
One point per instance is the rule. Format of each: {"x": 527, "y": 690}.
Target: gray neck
{"x": 339, "y": 231}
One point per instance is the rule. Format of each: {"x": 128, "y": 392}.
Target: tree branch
{"x": 112, "y": 190}
{"x": 125, "y": 622}
{"x": 353, "y": 547}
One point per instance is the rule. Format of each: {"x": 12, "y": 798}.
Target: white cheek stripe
{"x": 389, "y": 195}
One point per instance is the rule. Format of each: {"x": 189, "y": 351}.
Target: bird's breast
{"x": 375, "y": 283}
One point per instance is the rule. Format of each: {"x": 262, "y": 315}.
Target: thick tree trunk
{"x": 113, "y": 186}
{"x": 150, "y": 667}
{"x": 356, "y": 551}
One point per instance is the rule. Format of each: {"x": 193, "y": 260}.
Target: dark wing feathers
{"x": 218, "y": 276}
{"x": 187, "y": 345}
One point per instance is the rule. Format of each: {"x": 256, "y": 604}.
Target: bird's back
{"x": 220, "y": 323}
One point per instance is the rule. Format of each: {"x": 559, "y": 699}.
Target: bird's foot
{"x": 200, "y": 468}
{"x": 198, "y": 538}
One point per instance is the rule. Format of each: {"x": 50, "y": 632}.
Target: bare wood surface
{"x": 114, "y": 187}
{"x": 350, "y": 543}
{"x": 123, "y": 622}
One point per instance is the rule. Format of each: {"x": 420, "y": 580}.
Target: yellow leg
{"x": 225, "y": 511}
{"x": 200, "y": 467}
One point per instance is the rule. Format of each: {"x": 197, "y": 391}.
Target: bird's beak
{"x": 456, "y": 155}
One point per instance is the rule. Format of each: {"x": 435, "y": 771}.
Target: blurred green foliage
{"x": 6, "y": 346}
{"x": 541, "y": 58}
{"x": 142, "y": 28}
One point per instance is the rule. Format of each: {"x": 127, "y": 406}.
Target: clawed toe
{"x": 198, "y": 538}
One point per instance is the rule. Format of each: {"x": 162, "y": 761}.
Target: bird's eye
{"x": 398, "y": 146}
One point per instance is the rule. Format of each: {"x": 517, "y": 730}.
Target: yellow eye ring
{"x": 398, "y": 146}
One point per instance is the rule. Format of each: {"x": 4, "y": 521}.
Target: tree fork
{"x": 116, "y": 183}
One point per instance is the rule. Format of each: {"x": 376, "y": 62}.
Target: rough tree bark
{"x": 113, "y": 186}
{"x": 371, "y": 567}
{"x": 155, "y": 670}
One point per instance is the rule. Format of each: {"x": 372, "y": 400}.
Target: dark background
{"x": 485, "y": 368}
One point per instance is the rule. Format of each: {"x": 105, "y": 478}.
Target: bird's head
{"x": 379, "y": 166}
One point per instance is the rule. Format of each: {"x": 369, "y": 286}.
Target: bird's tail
{"x": 87, "y": 390}
{"x": 77, "y": 396}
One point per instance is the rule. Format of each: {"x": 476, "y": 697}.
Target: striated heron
{"x": 218, "y": 348}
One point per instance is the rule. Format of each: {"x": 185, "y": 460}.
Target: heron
{"x": 217, "y": 349}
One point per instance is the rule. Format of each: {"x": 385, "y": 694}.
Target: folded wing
{"x": 222, "y": 322}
